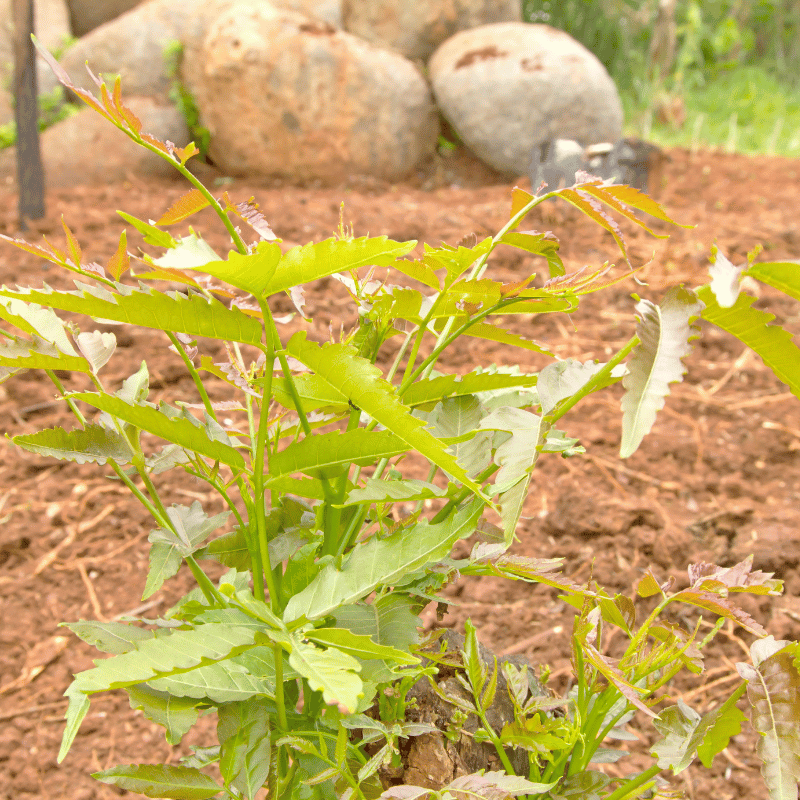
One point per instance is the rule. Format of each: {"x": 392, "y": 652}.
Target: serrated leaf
{"x": 665, "y": 333}
{"x": 753, "y": 327}
{"x": 109, "y": 637}
{"x": 687, "y": 734}
{"x": 36, "y": 353}
{"x": 220, "y": 683}
{"x": 194, "y": 315}
{"x": 381, "y": 562}
{"x": 175, "y": 714}
{"x": 361, "y": 382}
{"x": 161, "y": 780}
{"x": 189, "y": 252}
{"x": 36, "y": 319}
{"x": 562, "y": 379}
{"x": 725, "y": 279}
{"x": 456, "y": 418}
{"x": 190, "y": 528}
{"x": 773, "y": 689}
{"x": 313, "y": 391}
{"x": 539, "y": 244}
{"x": 330, "y": 671}
{"x": 96, "y": 347}
{"x": 493, "y": 333}
{"x": 244, "y": 735}
{"x": 332, "y": 453}
{"x": 358, "y": 645}
{"x": 438, "y": 388}
{"x": 497, "y": 785}
{"x": 381, "y": 491}
{"x": 186, "y": 205}
{"x": 120, "y": 262}
{"x": 390, "y": 620}
{"x": 177, "y": 430}
{"x": 152, "y": 235}
{"x": 90, "y": 444}
{"x": 454, "y": 260}
{"x": 781, "y": 275}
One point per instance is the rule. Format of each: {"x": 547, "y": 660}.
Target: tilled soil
{"x": 717, "y": 480}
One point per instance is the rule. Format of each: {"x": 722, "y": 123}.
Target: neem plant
{"x": 348, "y": 483}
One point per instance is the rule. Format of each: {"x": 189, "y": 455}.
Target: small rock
{"x": 416, "y": 28}
{"x": 509, "y": 86}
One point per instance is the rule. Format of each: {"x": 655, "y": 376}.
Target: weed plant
{"x": 308, "y": 645}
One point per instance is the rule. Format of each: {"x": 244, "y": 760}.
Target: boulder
{"x": 52, "y": 27}
{"x": 416, "y": 28}
{"x": 285, "y": 95}
{"x": 134, "y": 45}
{"x": 87, "y": 15}
{"x": 86, "y": 148}
{"x": 510, "y": 86}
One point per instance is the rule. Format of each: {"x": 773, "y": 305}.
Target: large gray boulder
{"x": 285, "y": 95}
{"x": 416, "y": 28}
{"x": 87, "y": 15}
{"x": 133, "y": 45}
{"x": 52, "y": 27}
{"x": 87, "y": 149}
{"x": 510, "y": 86}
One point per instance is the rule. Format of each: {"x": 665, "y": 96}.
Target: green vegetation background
{"x": 735, "y": 74}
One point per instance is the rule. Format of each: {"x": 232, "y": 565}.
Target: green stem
{"x": 208, "y": 589}
{"x": 591, "y": 385}
{"x": 628, "y": 788}
{"x": 194, "y": 373}
{"x": 445, "y": 510}
{"x": 333, "y": 511}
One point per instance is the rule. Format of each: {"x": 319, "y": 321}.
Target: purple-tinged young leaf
{"x": 773, "y": 689}
{"x": 249, "y": 213}
{"x": 720, "y": 606}
{"x": 739, "y": 578}
{"x": 605, "y": 666}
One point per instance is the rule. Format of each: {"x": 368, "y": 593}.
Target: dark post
{"x": 30, "y": 175}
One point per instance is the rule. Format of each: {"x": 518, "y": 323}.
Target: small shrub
{"x": 307, "y": 646}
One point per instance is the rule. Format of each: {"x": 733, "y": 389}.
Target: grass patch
{"x": 744, "y": 110}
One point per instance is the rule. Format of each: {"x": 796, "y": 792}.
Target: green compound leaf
{"x": 109, "y": 637}
{"x": 436, "y": 389}
{"x": 390, "y": 620}
{"x": 194, "y": 315}
{"x": 358, "y": 645}
{"x": 782, "y": 275}
{"x": 332, "y": 453}
{"x": 381, "y": 562}
{"x": 161, "y": 780}
{"x": 266, "y": 271}
{"x": 178, "y": 653}
{"x": 753, "y": 328}
{"x": 687, "y": 734}
{"x": 665, "y": 332}
{"x": 381, "y": 491}
{"x": 190, "y": 528}
{"x": 31, "y": 318}
{"x": 177, "y": 430}
{"x": 244, "y": 735}
{"x": 36, "y": 353}
{"x": 92, "y": 443}
{"x": 175, "y": 714}
{"x": 361, "y": 382}
{"x": 773, "y": 689}
{"x": 330, "y": 671}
